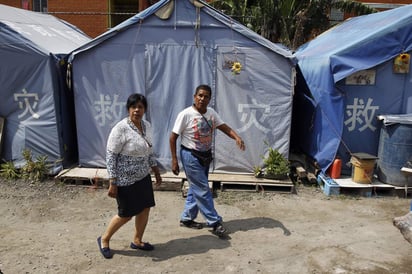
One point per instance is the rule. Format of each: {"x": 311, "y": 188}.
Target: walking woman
{"x": 129, "y": 159}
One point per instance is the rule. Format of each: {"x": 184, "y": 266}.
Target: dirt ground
{"x": 52, "y": 228}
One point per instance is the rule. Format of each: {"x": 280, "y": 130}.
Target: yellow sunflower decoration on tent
{"x": 401, "y": 63}
{"x": 236, "y": 68}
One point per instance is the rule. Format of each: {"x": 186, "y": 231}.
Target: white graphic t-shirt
{"x": 196, "y": 131}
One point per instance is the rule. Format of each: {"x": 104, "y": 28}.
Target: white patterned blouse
{"x": 129, "y": 153}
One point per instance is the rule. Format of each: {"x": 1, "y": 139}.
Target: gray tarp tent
{"x": 164, "y": 52}
{"x": 32, "y": 99}
{"x": 348, "y": 79}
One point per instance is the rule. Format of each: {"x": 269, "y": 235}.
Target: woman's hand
{"x": 158, "y": 179}
{"x": 112, "y": 191}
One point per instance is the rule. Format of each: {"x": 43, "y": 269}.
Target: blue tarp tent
{"x": 166, "y": 51}
{"x": 346, "y": 78}
{"x": 33, "y": 102}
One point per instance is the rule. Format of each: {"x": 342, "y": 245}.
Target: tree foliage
{"x": 290, "y": 22}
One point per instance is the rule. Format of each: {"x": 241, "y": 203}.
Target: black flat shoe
{"x": 145, "y": 246}
{"x": 191, "y": 224}
{"x": 106, "y": 252}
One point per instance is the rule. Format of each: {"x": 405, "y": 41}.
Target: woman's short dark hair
{"x": 134, "y": 99}
{"x": 204, "y": 87}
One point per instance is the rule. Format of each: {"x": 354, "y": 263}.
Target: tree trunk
{"x": 143, "y": 4}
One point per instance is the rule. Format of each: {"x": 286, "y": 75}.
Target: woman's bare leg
{"x": 140, "y": 224}
{"x": 115, "y": 223}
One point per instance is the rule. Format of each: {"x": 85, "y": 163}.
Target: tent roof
{"x": 359, "y": 43}
{"x": 45, "y": 32}
{"x": 163, "y": 7}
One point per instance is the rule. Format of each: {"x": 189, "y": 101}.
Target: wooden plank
{"x": 169, "y": 184}
{"x": 181, "y": 175}
{"x": 238, "y": 186}
{"x": 226, "y": 177}
{"x": 222, "y": 177}
{"x": 256, "y": 187}
{"x": 80, "y": 173}
{"x": 312, "y": 178}
{"x": 347, "y": 182}
{"x": 405, "y": 190}
{"x": 301, "y": 172}
{"x": 407, "y": 170}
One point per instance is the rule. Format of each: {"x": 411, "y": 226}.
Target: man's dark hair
{"x": 204, "y": 87}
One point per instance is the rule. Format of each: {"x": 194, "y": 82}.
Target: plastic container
{"x": 335, "y": 169}
{"x": 395, "y": 149}
{"x": 362, "y": 170}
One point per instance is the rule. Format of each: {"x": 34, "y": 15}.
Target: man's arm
{"x": 232, "y": 134}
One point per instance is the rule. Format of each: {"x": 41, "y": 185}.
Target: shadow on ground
{"x": 255, "y": 223}
{"x": 179, "y": 247}
{"x": 204, "y": 243}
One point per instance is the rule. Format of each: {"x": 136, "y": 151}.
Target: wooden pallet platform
{"x": 172, "y": 182}
{"x": 403, "y": 191}
{"x": 346, "y": 186}
{"x": 79, "y": 173}
{"x": 242, "y": 182}
{"x": 99, "y": 177}
{"x": 96, "y": 177}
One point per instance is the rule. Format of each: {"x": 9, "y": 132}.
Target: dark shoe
{"x": 106, "y": 252}
{"x": 145, "y": 246}
{"x": 191, "y": 224}
{"x": 219, "y": 230}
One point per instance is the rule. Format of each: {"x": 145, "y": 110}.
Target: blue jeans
{"x": 199, "y": 197}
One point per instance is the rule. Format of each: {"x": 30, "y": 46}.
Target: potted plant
{"x": 275, "y": 165}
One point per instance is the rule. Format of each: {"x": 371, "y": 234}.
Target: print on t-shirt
{"x": 202, "y": 133}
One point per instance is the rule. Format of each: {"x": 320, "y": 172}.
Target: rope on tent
{"x": 197, "y": 27}
{"x": 336, "y": 132}
{"x": 135, "y": 38}
{"x": 129, "y": 60}
{"x": 233, "y": 39}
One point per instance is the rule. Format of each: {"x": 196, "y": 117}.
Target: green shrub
{"x": 275, "y": 165}
{"x": 9, "y": 171}
{"x": 40, "y": 169}
{"x": 34, "y": 170}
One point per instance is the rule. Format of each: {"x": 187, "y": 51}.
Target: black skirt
{"x": 132, "y": 199}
